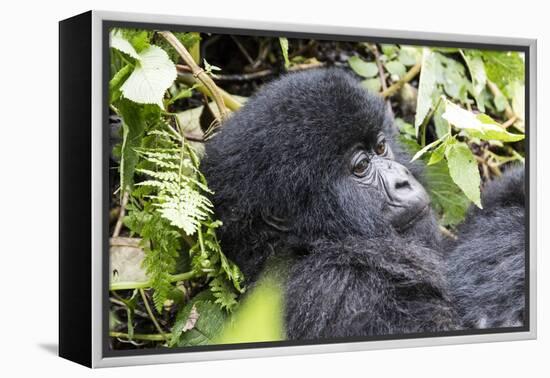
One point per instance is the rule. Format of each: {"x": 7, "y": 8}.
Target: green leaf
{"x": 409, "y": 55}
{"x": 259, "y": 317}
{"x": 405, "y": 127}
{"x": 184, "y": 93}
{"x": 153, "y": 74}
{"x": 283, "y": 42}
{"x": 388, "y": 49}
{"x": 438, "y": 154}
{"x": 198, "y": 323}
{"x": 504, "y": 67}
{"x": 133, "y": 129}
{"x": 426, "y": 149}
{"x": 516, "y": 90}
{"x": 426, "y": 86}
{"x": 478, "y": 125}
{"x": 117, "y": 41}
{"x": 363, "y": 68}
{"x": 374, "y": 85}
{"x": 209, "y": 68}
{"x": 447, "y": 198}
{"x": 117, "y": 81}
{"x": 479, "y": 77}
{"x": 396, "y": 68}
{"x": 464, "y": 171}
{"x": 225, "y": 296}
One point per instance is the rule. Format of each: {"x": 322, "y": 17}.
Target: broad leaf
{"x": 479, "y": 77}
{"x": 154, "y": 73}
{"x": 478, "y": 125}
{"x": 463, "y": 170}
{"x": 117, "y": 41}
{"x": 438, "y": 154}
{"x": 374, "y": 84}
{"x": 446, "y": 196}
{"x": 133, "y": 129}
{"x": 198, "y": 322}
{"x": 363, "y": 68}
{"x": 409, "y": 55}
{"x": 426, "y": 87}
{"x": 396, "y": 68}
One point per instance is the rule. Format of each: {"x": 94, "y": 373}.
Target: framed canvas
{"x": 236, "y": 188}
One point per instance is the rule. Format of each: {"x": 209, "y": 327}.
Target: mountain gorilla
{"x": 308, "y": 172}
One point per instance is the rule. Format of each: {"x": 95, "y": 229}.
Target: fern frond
{"x": 180, "y": 186}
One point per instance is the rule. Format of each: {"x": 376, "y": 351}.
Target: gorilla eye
{"x": 380, "y": 148}
{"x": 361, "y": 165}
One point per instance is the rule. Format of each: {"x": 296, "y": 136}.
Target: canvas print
{"x": 281, "y": 190}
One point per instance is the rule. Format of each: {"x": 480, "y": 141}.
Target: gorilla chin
{"x": 309, "y": 172}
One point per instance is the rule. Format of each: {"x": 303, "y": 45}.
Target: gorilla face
{"x": 405, "y": 200}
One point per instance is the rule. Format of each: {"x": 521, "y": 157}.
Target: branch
{"x": 198, "y": 73}
{"x": 151, "y": 315}
{"x": 128, "y": 285}
{"x": 121, "y": 214}
{"x": 411, "y": 74}
{"x": 140, "y": 336}
{"x": 190, "y": 80}
{"x": 372, "y": 47}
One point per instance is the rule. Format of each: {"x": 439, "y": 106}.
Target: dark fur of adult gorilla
{"x": 308, "y": 172}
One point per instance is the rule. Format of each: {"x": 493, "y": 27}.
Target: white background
{"x": 29, "y": 188}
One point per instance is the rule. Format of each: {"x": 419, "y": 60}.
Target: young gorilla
{"x": 308, "y": 172}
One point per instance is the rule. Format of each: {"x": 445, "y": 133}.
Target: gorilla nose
{"x": 402, "y": 179}
{"x": 407, "y": 197}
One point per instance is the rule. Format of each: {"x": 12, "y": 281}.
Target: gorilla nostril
{"x": 402, "y": 184}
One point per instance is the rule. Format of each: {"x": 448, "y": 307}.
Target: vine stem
{"x": 128, "y": 285}
{"x": 151, "y": 314}
{"x": 189, "y": 80}
{"x": 140, "y": 336}
{"x": 198, "y": 72}
{"x": 424, "y": 124}
{"x": 121, "y": 214}
{"x": 381, "y": 74}
{"x": 411, "y": 74}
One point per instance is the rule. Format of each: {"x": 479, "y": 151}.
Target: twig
{"x": 253, "y": 75}
{"x": 128, "y": 285}
{"x": 190, "y": 80}
{"x": 424, "y": 124}
{"x": 508, "y": 111}
{"x": 141, "y": 336}
{"x": 121, "y": 214}
{"x": 136, "y": 311}
{"x": 510, "y": 122}
{"x": 151, "y": 315}
{"x": 411, "y": 74}
{"x": 198, "y": 73}
{"x": 243, "y": 50}
{"x": 372, "y": 47}
{"x": 447, "y": 233}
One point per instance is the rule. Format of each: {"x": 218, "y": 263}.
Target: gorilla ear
{"x": 271, "y": 220}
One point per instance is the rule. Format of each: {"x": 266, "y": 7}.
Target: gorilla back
{"x": 308, "y": 172}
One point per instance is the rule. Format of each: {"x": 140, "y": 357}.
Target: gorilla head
{"x": 312, "y": 156}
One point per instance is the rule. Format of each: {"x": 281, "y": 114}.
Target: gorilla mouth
{"x": 404, "y": 224}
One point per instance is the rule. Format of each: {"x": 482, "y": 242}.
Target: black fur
{"x": 486, "y": 267}
{"x": 279, "y": 170}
